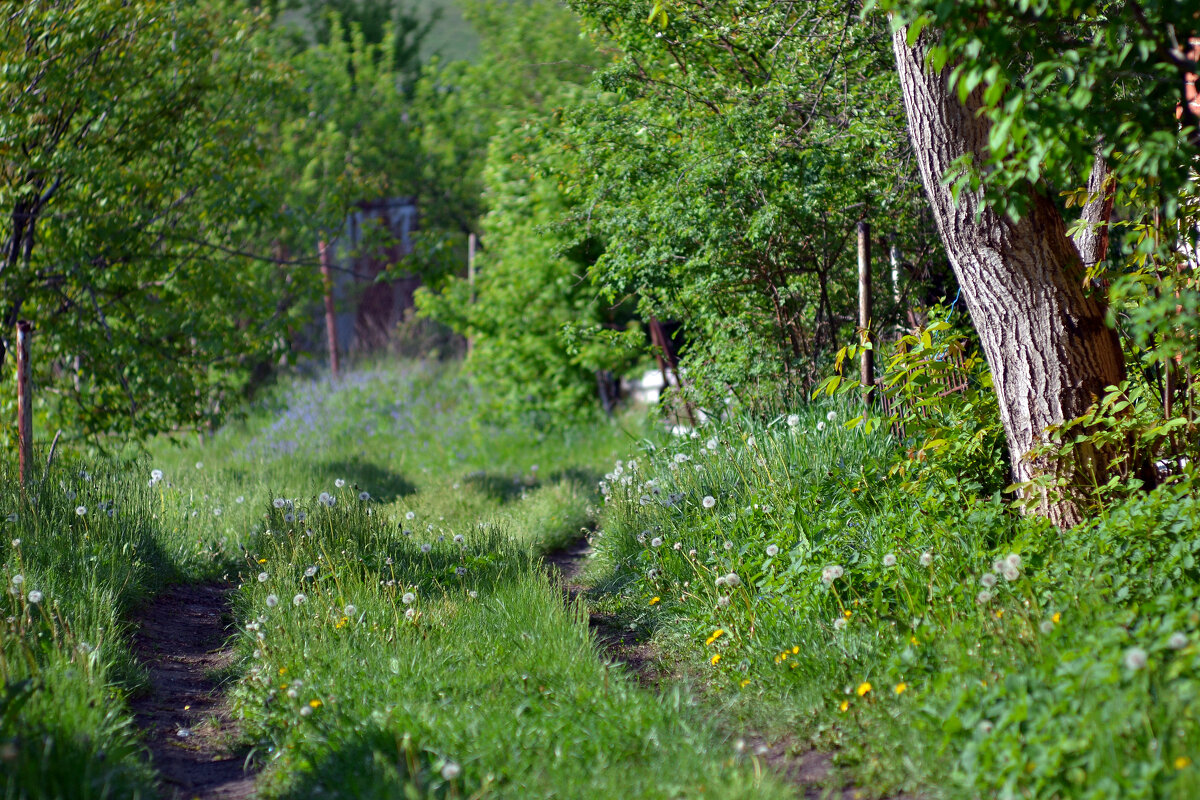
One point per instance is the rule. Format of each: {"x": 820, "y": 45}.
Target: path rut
{"x": 182, "y": 639}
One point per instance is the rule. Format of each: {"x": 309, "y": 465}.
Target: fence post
{"x": 330, "y": 316}
{"x": 864, "y": 304}
{"x": 24, "y": 402}
{"x": 471, "y": 278}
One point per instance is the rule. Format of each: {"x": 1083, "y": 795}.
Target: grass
{"x": 939, "y": 640}
{"x": 483, "y": 683}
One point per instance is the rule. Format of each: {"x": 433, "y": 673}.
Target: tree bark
{"x": 1042, "y": 331}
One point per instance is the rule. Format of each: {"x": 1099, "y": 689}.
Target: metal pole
{"x": 330, "y": 316}
{"x": 864, "y": 304}
{"x": 24, "y": 402}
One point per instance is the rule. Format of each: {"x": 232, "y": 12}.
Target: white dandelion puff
{"x": 35, "y": 597}
{"x": 425, "y": 548}
{"x": 411, "y": 515}
{"x": 262, "y": 577}
{"x": 1135, "y": 658}
{"x": 889, "y": 560}
{"x": 820, "y": 426}
{"x": 410, "y": 613}
{"x": 299, "y": 600}
{"x": 80, "y": 511}
{"x": 831, "y": 416}
{"x": 926, "y": 559}
{"x": 408, "y": 599}
{"x": 272, "y": 600}
{"x": 839, "y": 623}
{"x": 339, "y": 483}
{"x": 364, "y": 496}
{"x": 831, "y": 573}
{"x": 450, "y": 771}
{"x": 793, "y": 420}
{"x": 17, "y": 580}
{"x": 987, "y": 580}
{"x": 656, "y": 541}
{"x": 279, "y": 502}
{"x": 309, "y": 572}
{"x": 983, "y": 597}
{"x": 733, "y": 580}
{"x": 1178, "y": 641}
{"x": 772, "y": 551}
{"x": 709, "y": 501}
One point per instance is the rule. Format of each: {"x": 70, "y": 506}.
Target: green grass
{"x": 1073, "y": 676}
{"x": 490, "y": 671}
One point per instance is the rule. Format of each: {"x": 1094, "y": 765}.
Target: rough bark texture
{"x": 1043, "y": 334}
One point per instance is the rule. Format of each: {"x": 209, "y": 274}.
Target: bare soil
{"x": 182, "y": 639}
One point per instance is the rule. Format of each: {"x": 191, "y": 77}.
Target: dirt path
{"x": 797, "y": 763}
{"x": 181, "y": 638}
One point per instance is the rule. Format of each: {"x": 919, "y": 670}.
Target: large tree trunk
{"x": 1043, "y": 332}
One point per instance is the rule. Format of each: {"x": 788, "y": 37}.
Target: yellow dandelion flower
{"x": 847, "y": 613}
{"x": 282, "y": 670}
{"x": 795, "y": 649}
{"x": 999, "y": 613}
{"x": 913, "y": 640}
{"x": 654, "y": 600}
{"x": 717, "y": 634}
{"x": 262, "y": 561}
{"x": 1055, "y": 617}
{"x": 901, "y": 687}
{"x": 745, "y": 682}
{"x": 315, "y": 703}
{"x": 863, "y": 688}
{"x": 341, "y": 623}
{"x": 1183, "y": 762}
{"x": 715, "y": 659}
{"x": 845, "y": 704}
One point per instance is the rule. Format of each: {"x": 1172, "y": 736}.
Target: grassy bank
{"x": 937, "y": 638}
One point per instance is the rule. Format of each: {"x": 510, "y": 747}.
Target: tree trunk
{"x": 1043, "y": 333}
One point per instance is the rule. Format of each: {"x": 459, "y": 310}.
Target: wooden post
{"x": 330, "y": 316}
{"x": 471, "y": 278}
{"x": 24, "y": 402}
{"x": 864, "y": 304}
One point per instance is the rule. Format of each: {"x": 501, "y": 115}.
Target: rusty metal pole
{"x": 24, "y": 402}
{"x": 864, "y": 305}
{"x": 330, "y": 316}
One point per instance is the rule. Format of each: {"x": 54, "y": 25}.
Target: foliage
{"x": 541, "y": 336}
{"x": 131, "y": 192}
{"x": 1061, "y": 80}
{"x": 935, "y": 395}
{"x": 1007, "y": 657}
{"x": 725, "y": 168}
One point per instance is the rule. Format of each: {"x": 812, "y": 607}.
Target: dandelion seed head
{"x": 772, "y": 551}
{"x": 820, "y": 426}
{"x": 80, "y": 511}
{"x": 272, "y": 600}
{"x": 339, "y": 483}
{"x": 926, "y": 559}
{"x": 306, "y": 711}
{"x": 299, "y": 600}
{"x": 732, "y": 580}
{"x": 426, "y": 547}
{"x": 983, "y": 597}
{"x": 839, "y": 623}
{"x": 1178, "y": 641}
{"x": 450, "y": 771}
{"x": 987, "y": 580}
{"x": 310, "y": 571}
{"x": 262, "y": 577}
{"x": 350, "y": 610}
{"x": 17, "y": 580}
{"x": 410, "y": 515}
{"x": 35, "y": 597}
{"x": 364, "y": 496}
{"x": 1136, "y": 658}
{"x": 656, "y": 541}
{"x": 408, "y": 599}
{"x": 410, "y": 613}
{"x": 1013, "y": 560}
{"x": 279, "y": 502}
{"x": 889, "y": 560}
{"x": 793, "y": 420}
{"x": 709, "y": 501}
{"x": 1010, "y": 573}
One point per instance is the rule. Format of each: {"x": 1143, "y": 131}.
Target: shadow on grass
{"x": 372, "y": 763}
{"x": 383, "y": 484}
{"x": 504, "y": 488}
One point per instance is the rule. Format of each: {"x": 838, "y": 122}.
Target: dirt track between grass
{"x": 181, "y": 637}
{"x": 794, "y": 761}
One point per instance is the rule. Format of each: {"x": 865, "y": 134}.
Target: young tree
{"x": 129, "y": 161}
{"x": 1007, "y": 99}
